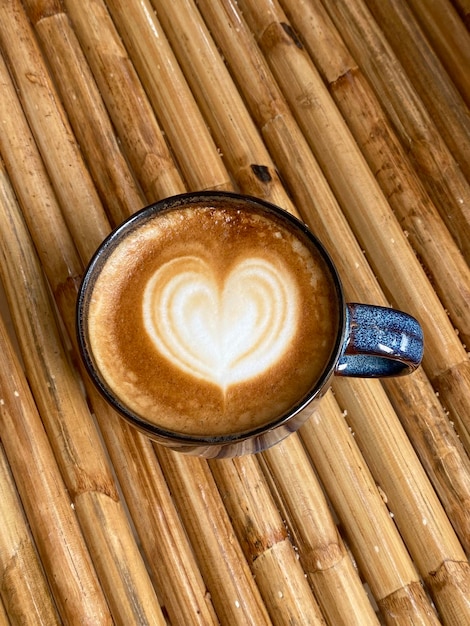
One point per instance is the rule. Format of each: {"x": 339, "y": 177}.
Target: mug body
{"x": 163, "y": 293}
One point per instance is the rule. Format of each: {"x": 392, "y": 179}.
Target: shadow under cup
{"x": 213, "y": 322}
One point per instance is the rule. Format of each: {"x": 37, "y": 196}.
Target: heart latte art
{"x": 210, "y": 320}
{"x": 222, "y": 332}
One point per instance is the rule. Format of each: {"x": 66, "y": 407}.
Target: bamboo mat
{"x": 353, "y": 115}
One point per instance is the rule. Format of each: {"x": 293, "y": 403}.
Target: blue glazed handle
{"x": 379, "y": 342}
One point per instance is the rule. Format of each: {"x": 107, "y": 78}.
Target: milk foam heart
{"x": 224, "y": 332}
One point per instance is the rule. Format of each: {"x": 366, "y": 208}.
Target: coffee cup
{"x": 214, "y": 322}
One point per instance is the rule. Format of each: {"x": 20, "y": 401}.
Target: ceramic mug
{"x": 213, "y": 322}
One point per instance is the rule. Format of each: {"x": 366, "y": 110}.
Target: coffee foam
{"x": 212, "y": 320}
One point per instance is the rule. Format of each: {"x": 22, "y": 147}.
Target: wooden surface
{"x": 352, "y": 115}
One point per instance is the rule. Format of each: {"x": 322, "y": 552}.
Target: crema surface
{"x": 208, "y": 320}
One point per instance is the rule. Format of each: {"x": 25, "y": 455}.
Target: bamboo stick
{"x": 273, "y": 570}
{"x": 24, "y": 590}
{"x": 449, "y": 39}
{"x": 235, "y": 595}
{"x": 168, "y": 93}
{"x": 49, "y": 123}
{"x": 263, "y": 537}
{"x": 419, "y": 218}
{"x": 328, "y": 223}
{"x": 112, "y": 177}
{"x": 64, "y": 555}
{"x": 429, "y": 78}
{"x": 71, "y": 429}
{"x": 432, "y": 158}
{"x": 126, "y": 101}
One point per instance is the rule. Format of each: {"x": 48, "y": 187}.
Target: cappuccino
{"x": 208, "y": 319}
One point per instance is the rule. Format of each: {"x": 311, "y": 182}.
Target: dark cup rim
{"x": 99, "y": 259}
